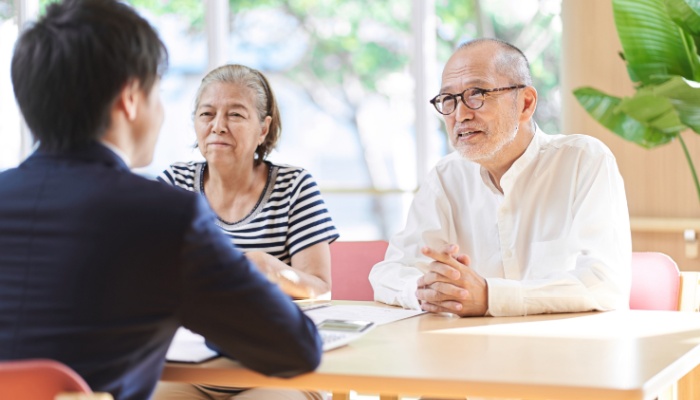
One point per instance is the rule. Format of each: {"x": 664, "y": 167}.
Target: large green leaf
{"x": 653, "y": 44}
{"x": 685, "y": 13}
{"x": 654, "y": 111}
{"x": 685, "y": 97}
{"x": 605, "y": 109}
{"x": 660, "y": 39}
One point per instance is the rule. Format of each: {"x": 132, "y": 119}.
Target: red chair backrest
{"x": 38, "y": 379}
{"x": 655, "y": 282}
{"x": 350, "y": 266}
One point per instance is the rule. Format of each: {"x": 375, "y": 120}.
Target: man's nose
{"x": 462, "y": 112}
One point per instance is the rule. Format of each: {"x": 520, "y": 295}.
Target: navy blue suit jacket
{"x": 99, "y": 267}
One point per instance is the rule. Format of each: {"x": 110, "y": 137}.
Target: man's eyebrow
{"x": 474, "y": 84}
{"x": 447, "y": 90}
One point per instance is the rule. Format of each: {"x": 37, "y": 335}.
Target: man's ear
{"x": 529, "y": 103}
{"x": 129, "y": 98}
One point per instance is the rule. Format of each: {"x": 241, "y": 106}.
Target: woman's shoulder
{"x": 287, "y": 173}
{"x": 184, "y": 167}
{"x": 180, "y": 173}
{"x": 286, "y": 168}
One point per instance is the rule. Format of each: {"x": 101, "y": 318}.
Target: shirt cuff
{"x": 505, "y": 297}
{"x": 408, "y": 297}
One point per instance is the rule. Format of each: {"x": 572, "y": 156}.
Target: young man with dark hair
{"x": 98, "y": 266}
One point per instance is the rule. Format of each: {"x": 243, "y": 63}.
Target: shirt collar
{"x": 116, "y": 150}
{"x": 91, "y": 152}
{"x": 530, "y": 154}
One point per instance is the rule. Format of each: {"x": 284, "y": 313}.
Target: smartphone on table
{"x": 337, "y": 332}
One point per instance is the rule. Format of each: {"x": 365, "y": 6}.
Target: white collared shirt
{"x": 556, "y": 240}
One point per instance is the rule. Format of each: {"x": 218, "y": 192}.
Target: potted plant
{"x": 660, "y": 41}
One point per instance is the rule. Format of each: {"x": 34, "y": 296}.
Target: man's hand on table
{"x": 451, "y": 285}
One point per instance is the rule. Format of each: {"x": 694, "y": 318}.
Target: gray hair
{"x": 510, "y": 59}
{"x": 265, "y": 102}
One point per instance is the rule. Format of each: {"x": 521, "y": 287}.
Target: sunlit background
{"x": 353, "y": 79}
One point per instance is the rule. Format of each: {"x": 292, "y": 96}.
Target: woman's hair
{"x": 264, "y": 100}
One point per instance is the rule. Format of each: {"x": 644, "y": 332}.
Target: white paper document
{"x": 189, "y": 347}
{"x": 378, "y": 315}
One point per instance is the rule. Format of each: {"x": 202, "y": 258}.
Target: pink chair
{"x": 42, "y": 379}
{"x": 656, "y": 282}
{"x": 350, "y": 266}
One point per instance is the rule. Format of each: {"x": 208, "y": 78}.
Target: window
{"x": 344, "y": 72}
{"x": 340, "y": 70}
{"x": 180, "y": 24}
{"x": 10, "y": 137}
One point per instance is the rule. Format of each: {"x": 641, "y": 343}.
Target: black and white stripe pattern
{"x": 289, "y": 217}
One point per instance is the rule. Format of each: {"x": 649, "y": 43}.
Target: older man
{"x": 515, "y": 221}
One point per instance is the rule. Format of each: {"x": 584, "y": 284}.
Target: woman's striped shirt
{"x": 289, "y": 216}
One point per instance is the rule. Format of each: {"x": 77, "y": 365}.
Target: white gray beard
{"x": 476, "y": 157}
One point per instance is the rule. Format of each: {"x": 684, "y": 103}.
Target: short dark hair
{"x": 69, "y": 67}
{"x": 264, "y": 100}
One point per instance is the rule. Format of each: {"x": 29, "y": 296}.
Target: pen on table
{"x": 312, "y": 306}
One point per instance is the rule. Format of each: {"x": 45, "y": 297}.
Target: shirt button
{"x": 507, "y": 253}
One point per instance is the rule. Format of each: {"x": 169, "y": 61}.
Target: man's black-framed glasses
{"x": 473, "y": 98}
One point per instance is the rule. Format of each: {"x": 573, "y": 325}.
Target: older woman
{"x": 274, "y": 213}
